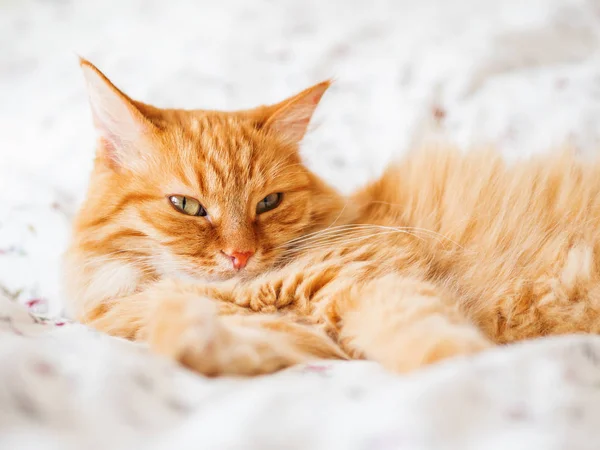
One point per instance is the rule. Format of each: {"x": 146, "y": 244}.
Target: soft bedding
{"x": 522, "y": 76}
{"x": 63, "y": 386}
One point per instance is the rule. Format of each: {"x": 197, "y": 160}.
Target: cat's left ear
{"x": 289, "y": 119}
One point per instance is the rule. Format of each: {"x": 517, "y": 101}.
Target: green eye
{"x": 187, "y": 205}
{"x": 268, "y": 203}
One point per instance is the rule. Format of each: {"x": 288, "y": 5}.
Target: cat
{"x": 204, "y": 235}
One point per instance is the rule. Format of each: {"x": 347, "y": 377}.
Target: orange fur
{"x": 445, "y": 254}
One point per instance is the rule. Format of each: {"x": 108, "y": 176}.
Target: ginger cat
{"x": 204, "y": 235}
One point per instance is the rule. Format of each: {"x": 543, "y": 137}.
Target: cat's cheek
{"x": 262, "y": 261}
{"x": 277, "y": 232}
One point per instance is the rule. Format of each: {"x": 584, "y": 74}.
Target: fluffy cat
{"x": 204, "y": 235}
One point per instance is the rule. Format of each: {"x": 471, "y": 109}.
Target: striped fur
{"x": 445, "y": 254}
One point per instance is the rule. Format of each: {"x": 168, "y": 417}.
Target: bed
{"x": 521, "y": 76}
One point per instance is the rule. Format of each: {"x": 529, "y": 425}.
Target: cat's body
{"x": 444, "y": 255}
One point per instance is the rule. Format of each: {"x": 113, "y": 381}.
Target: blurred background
{"x": 523, "y": 76}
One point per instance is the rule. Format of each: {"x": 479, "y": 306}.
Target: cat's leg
{"x": 404, "y": 324}
{"x": 401, "y": 322}
{"x": 181, "y": 322}
{"x": 187, "y": 328}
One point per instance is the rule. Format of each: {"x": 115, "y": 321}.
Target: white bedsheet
{"x": 68, "y": 387}
{"x": 521, "y": 75}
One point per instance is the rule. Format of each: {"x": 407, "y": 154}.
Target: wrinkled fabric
{"x": 523, "y": 76}
{"x": 65, "y": 386}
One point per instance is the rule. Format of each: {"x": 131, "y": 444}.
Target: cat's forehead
{"x": 223, "y": 151}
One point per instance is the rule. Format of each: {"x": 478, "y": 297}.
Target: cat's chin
{"x": 243, "y": 274}
{"x": 202, "y": 277}
{"x": 214, "y": 277}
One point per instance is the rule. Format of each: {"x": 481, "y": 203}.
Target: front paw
{"x": 186, "y": 328}
{"x": 427, "y": 343}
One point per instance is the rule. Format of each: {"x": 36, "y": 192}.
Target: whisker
{"x": 340, "y": 214}
{"x": 323, "y": 234}
{"x": 343, "y": 240}
{"x": 346, "y": 241}
{"x": 326, "y": 230}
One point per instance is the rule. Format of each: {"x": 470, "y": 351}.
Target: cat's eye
{"x": 187, "y": 205}
{"x": 268, "y": 203}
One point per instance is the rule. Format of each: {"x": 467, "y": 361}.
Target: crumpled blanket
{"x": 523, "y": 76}
{"x": 63, "y": 386}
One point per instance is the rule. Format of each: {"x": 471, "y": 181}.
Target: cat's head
{"x": 207, "y": 194}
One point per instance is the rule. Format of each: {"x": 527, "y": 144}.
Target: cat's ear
{"x": 289, "y": 119}
{"x": 119, "y": 123}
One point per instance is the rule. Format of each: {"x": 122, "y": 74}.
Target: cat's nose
{"x": 238, "y": 258}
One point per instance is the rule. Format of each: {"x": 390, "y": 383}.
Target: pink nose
{"x": 239, "y": 259}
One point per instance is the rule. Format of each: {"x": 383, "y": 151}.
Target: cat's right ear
{"x": 120, "y": 124}
{"x": 289, "y": 119}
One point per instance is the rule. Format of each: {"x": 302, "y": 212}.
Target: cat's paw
{"x": 186, "y": 328}
{"x": 422, "y": 345}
